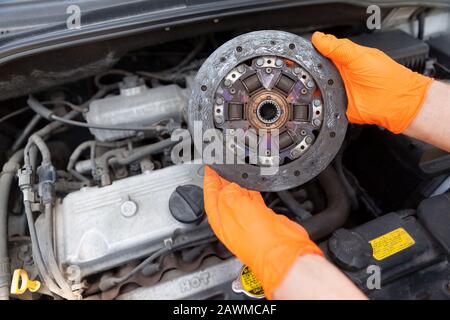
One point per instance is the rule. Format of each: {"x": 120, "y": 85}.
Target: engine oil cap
{"x": 248, "y": 284}
{"x": 186, "y": 204}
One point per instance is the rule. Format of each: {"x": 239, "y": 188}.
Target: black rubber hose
{"x": 334, "y": 216}
{"x": 37, "y": 254}
{"x": 293, "y": 205}
{"x": 348, "y": 188}
{"x": 6, "y": 178}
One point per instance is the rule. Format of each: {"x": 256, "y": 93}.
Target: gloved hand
{"x": 379, "y": 90}
{"x": 266, "y": 242}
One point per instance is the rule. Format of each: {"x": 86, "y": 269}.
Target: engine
{"x": 109, "y": 203}
{"x": 101, "y": 228}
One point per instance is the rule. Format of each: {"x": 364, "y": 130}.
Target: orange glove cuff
{"x": 266, "y": 242}
{"x": 280, "y": 262}
{"x": 404, "y": 115}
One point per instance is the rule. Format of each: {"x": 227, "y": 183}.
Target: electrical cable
{"x": 61, "y": 287}
{"x": 109, "y": 283}
{"x": 25, "y": 133}
{"x": 101, "y": 127}
{"x": 14, "y": 113}
{"x": 78, "y": 108}
{"x": 49, "y": 115}
{"x": 172, "y": 73}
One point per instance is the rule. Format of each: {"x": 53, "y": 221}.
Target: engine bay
{"x": 102, "y": 198}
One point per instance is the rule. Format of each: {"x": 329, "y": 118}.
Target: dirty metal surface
{"x": 215, "y": 74}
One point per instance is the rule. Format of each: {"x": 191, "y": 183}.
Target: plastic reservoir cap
{"x": 186, "y": 204}
{"x": 349, "y": 249}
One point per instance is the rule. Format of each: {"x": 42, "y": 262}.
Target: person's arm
{"x": 381, "y": 91}
{"x": 432, "y": 122}
{"x": 312, "y": 277}
{"x": 277, "y": 250}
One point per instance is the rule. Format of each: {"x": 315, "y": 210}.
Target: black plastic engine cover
{"x": 399, "y": 45}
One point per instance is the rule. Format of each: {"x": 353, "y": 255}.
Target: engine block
{"x": 99, "y": 228}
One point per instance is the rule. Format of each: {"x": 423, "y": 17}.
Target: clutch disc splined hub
{"x": 272, "y": 80}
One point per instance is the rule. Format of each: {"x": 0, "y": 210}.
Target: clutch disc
{"x": 282, "y": 94}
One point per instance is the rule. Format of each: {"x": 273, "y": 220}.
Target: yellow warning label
{"x": 250, "y": 283}
{"x": 391, "y": 243}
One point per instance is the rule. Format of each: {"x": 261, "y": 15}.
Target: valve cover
{"x": 276, "y": 83}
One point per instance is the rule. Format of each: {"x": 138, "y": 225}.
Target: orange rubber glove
{"x": 380, "y": 91}
{"x": 266, "y": 242}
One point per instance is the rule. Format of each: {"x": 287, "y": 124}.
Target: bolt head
{"x": 310, "y": 84}
{"x": 219, "y": 100}
{"x": 128, "y": 208}
{"x": 295, "y": 153}
{"x": 317, "y": 122}
{"x": 297, "y": 70}
{"x": 259, "y": 62}
{"x": 317, "y": 103}
{"x": 219, "y": 120}
{"x": 227, "y": 82}
{"x": 241, "y": 69}
{"x": 279, "y": 62}
{"x": 73, "y": 272}
{"x": 308, "y": 140}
